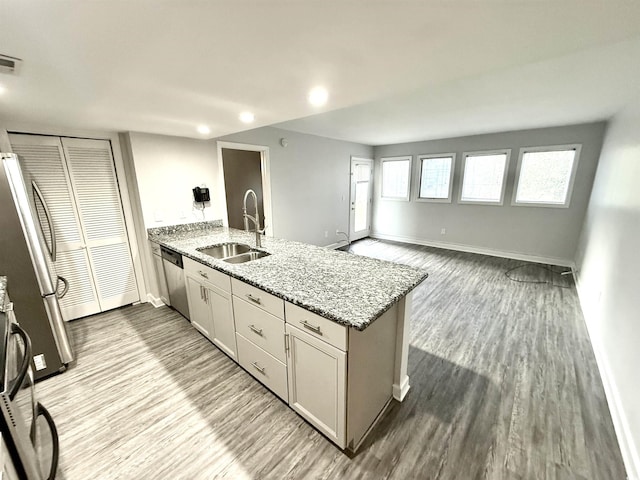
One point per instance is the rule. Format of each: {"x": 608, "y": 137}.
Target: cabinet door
{"x": 224, "y": 335}
{"x": 317, "y": 383}
{"x": 199, "y": 308}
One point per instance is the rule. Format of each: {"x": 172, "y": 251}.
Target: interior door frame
{"x": 265, "y": 170}
{"x": 355, "y": 159}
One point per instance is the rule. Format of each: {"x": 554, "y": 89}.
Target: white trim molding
{"x": 628, "y": 448}
{"x": 265, "y": 167}
{"x": 418, "y": 187}
{"x": 576, "y": 147}
{"x": 505, "y": 174}
{"x": 156, "y": 302}
{"x": 561, "y": 262}
{"x": 402, "y": 158}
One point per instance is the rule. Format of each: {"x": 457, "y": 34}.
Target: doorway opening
{"x": 243, "y": 167}
{"x": 361, "y": 198}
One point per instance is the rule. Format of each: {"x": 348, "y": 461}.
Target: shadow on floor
{"x": 441, "y": 393}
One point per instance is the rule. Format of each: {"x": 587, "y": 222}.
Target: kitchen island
{"x": 326, "y": 331}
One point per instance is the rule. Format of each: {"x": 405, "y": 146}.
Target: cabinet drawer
{"x": 207, "y": 274}
{"x": 320, "y": 327}
{"x": 259, "y": 298}
{"x": 260, "y": 327}
{"x": 265, "y": 368}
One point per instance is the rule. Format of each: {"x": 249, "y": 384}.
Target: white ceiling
{"x": 396, "y": 70}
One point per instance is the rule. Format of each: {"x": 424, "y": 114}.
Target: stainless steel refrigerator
{"x": 27, "y": 256}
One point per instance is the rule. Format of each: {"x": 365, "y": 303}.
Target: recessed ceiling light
{"x": 318, "y": 96}
{"x": 204, "y": 130}
{"x": 247, "y": 117}
{"x": 2, "y": 90}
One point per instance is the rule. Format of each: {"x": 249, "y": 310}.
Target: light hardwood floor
{"x": 504, "y": 385}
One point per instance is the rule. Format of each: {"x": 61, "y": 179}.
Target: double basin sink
{"x": 233, "y": 252}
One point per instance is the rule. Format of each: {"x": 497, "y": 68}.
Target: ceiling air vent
{"x": 9, "y": 64}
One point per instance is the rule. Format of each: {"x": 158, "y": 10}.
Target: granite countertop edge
{"x": 3, "y": 292}
{"x": 172, "y": 240}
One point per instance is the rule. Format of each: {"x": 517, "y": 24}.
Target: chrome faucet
{"x": 255, "y": 220}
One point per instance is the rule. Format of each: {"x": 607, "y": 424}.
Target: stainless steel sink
{"x": 233, "y": 252}
{"x": 225, "y": 250}
{"x": 245, "y": 257}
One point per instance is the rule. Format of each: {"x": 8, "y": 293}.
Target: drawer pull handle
{"x": 203, "y": 274}
{"x": 313, "y": 328}
{"x": 255, "y": 329}
{"x": 258, "y": 367}
{"x": 254, "y": 299}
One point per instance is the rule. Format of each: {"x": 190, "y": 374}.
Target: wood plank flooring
{"x": 504, "y": 385}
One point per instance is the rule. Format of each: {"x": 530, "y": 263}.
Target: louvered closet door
{"x": 97, "y": 196}
{"x": 42, "y": 161}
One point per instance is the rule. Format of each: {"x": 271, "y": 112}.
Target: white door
{"x": 97, "y": 196}
{"x": 77, "y": 180}
{"x": 361, "y": 198}
{"x": 317, "y": 383}
{"x": 42, "y": 161}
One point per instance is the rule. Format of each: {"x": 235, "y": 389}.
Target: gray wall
{"x": 242, "y": 172}
{"x": 608, "y": 263}
{"x": 549, "y": 234}
{"x": 309, "y": 182}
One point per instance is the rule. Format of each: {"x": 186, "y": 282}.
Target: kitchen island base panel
{"x": 403, "y": 327}
{"x": 371, "y": 363}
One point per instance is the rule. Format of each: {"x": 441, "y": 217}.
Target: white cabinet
{"x": 210, "y": 306}
{"x": 317, "y": 375}
{"x": 199, "y": 308}
{"x": 259, "y": 320}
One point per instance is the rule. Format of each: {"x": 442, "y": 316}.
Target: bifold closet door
{"x": 42, "y": 161}
{"x": 97, "y": 196}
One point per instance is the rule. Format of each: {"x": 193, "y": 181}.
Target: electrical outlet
{"x": 326, "y": 234}
{"x": 39, "y": 362}
{"x": 443, "y": 231}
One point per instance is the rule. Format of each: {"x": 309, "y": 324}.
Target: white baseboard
{"x": 156, "y": 302}
{"x": 627, "y": 445}
{"x": 400, "y": 391}
{"x": 562, "y": 262}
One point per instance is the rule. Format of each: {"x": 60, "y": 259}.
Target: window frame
{"x": 551, "y": 148}
{"x": 449, "y": 198}
{"x": 400, "y": 158}
{"x": 465, "y": 155}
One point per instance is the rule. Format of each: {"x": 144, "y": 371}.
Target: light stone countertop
{"x": 349, "y": 289}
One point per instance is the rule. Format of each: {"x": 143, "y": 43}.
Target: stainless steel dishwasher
{"x": 173, "y": 270}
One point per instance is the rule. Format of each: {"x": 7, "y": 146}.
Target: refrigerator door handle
{"x": 36, "y": 191}
{"x": 65, "y": 289}
{"x": 24, "y": 368}
{"x": 55, "y": 453}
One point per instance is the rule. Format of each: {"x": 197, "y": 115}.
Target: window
{"x": 436, "y": 177}
{"x": 396, "y": 175}
{"x": 545, "y": 175}
{"x": 485, "y": 174}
